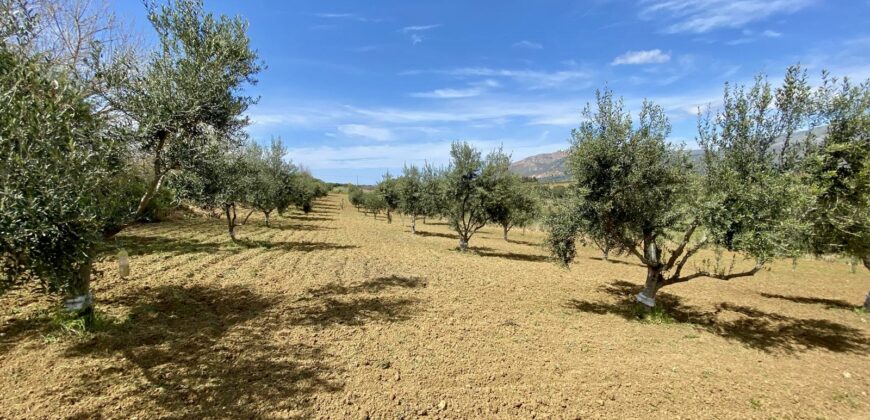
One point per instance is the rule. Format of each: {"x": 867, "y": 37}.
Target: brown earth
{"x": 338, "y": 315}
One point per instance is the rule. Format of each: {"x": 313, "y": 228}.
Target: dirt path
{"x": 336, "y": 315}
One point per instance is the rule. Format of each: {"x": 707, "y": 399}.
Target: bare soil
{"x": 338, "y": 315}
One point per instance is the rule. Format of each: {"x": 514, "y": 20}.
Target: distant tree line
{"x": 470, "y": 193}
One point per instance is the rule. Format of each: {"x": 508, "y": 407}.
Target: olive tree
{"x": 433, "y": 186}
{"x": 272, "y": 186}
{"x": 189, "y": 92}
{"x": 469, "y": 184}
{"x": 637, "y": 190}
{"x": 838, "y": 172}
{"x": 388, "y": 188}
{"x": 513, "y": 203}
{"x": 411, "y": 199}
{"x": 57, "y": 165}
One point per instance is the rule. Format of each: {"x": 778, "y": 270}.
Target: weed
{"x": 755, "y": 403}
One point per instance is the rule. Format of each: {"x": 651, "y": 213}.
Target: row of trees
{"x": 471, "y": 192}
{"x": 766, "y": 186}
{"x": 253, "y": 176}
{"x": 93, "y": 129}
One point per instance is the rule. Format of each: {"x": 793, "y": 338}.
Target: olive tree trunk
{"x": 506, "y": 229}
{"x": 230, "y": 211}
{"x": 413, "y": 224}
{"x": 266, "y": 215}
{"x": 867, "y": 298}
{"x": 81, "y": 301}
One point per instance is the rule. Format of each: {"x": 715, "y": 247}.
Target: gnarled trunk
{"x": 389, "y": 217}
{"x": 266, "y": 214}
{"x": 654, "y": 278}
{"x": 506, "y": 229}
{"x": 81, "y": 301}
{"x": 654, "y": 282}
{"x": 231, "y": 220}
{"x": 413, "y": 224}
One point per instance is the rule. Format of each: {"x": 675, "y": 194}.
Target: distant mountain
{"x": 548, "y": 167}
{"x": 552, "y": 167}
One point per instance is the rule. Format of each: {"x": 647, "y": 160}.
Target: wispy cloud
{"x": 771, "y": 34}
{"x": 419, "y": 28}
{"x": 528, "y": 44}
{"x": 414, "y": 32}
{"x": 655, "y": 56}
{"x": 367, "y": 131}
{"x": 449, "y": 93}
{"x": 347, "y": 16}
{"x": 532, "y": 78}
{"x": 699, "y": 16}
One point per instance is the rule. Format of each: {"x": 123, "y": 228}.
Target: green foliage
{"x": 411, "y": 194}
{"x": 56, "y": 172}
{"x": 563, "y": 227}
{"x": 186, "y": 102}
{"x": 470, "y": 182}
{"x": 272, "y": 183}
{"x": 433, "y": 186}
{"x": 389, "y": 190}
{"x": 513, "y": 202}
{"x": 838, "y": 171}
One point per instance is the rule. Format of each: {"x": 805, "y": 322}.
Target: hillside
{"x": 551, "y": 167}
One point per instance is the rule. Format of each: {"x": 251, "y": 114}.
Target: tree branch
{"x": 677, "y": 252}
{"x": 726, "y": 277}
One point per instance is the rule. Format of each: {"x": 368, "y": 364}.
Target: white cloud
{"x": 414, "y": 32}
{"x": 528, "y": 44}
{"x": 347, "y": 16}
{"x": 361, "y": 130}
{"x": 449, "y": 93}
{"x": 699, "y": 16}
{"x": 771, "y": 34}
{"x": 534, "y": 79}
{"x": 418, "y": 28}
{"x": 655, "y": 56}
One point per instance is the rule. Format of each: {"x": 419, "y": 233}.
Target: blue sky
{"x": 357, "y": 88}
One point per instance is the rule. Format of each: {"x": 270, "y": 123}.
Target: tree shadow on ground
{"x": 291, "y": 246}
{"x": 352, "y": 305}
{"x": 766, "y": 331}
{"x": 310, "y": 218}
{"x": 298, "y": 227}
{"x": 203, "y": 353}
{"x": 145, "y": 245}
{"x": 828, "y": 303}
{"x": 437, "y": 234}
{"x": 513, "y": 256}
{"x": 613, "y": 261}
{"x": 522, "y": 242}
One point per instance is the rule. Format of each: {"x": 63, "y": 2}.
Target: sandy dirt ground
{"x": 338, "y": 315}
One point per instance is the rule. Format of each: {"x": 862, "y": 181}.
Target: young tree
{"x": 513, "y": 203}
{"x": 272, "y": 186}
{"x": 411, "y": 194}
{"x": 374, "y": 202}
{"x": 433, "y": 191}
{"x": 221, "y": 181}
{"x": 388, "y": 188}
{"x": 470, "y": 182}
{"x": 637, "y": 190}
{"x": 838, "y": 172}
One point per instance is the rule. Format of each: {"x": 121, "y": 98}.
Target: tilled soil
{"x": 338, "y": 315}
